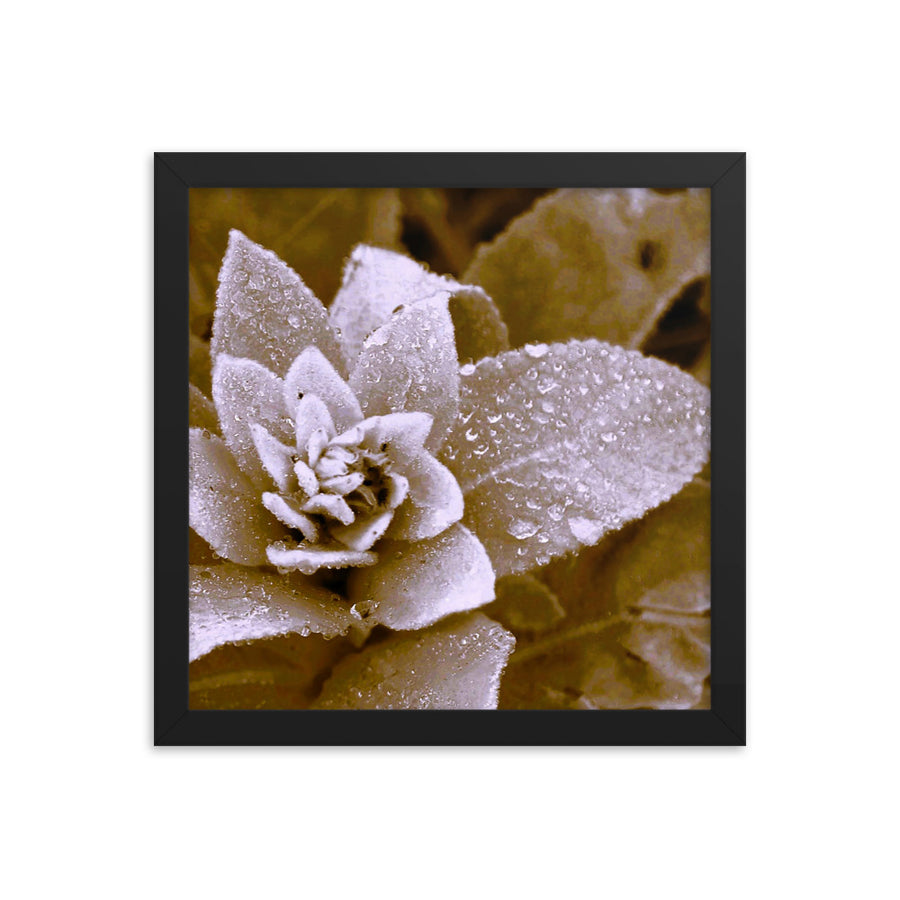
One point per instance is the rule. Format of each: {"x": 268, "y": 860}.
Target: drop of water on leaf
{"x": 536, "y": 351}
{"x": 521, "y": 529}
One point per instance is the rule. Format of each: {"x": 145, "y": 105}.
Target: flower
{"x": 384, "y": 462}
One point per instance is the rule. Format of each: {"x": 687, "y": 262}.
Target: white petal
{"x": 453, "y": 665}
{"x": 287, "y": 512}
{"x": 229, "y": 604}
{"x": 306, "y": 478}
{"x": 416, "y": 584}
{"x": 224, "y": 507}
{"x": 276, "y": 458}
{"x": 265, "y": 312}
{"x": 311, "y": 373}
{"x": 342, "y": 484}
{"x": 363, "y": 533}
{"x": 330, "y": 505}
{"x": 377, "y": 281}
{"x": 312, "y": 415}
{"x": 409, "y": 364}
{"x": 311, "y": 559}
{"x": 246, "y": 393}
{"x": 434, "y": 501}
{"x": 402, "y": 435}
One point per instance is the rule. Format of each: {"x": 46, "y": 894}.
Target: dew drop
{"x": 521, "y": 529}
{"x": 536, "y": 351}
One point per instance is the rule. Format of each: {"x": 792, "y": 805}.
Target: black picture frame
{"x": 724, "y": 723}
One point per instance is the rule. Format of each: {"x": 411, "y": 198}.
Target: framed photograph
{"x": 450, "y": 448}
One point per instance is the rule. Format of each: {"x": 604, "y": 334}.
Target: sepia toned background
{"x": 624, "y": 624}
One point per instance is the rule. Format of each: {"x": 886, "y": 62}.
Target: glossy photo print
{"x": 449, "y": 449}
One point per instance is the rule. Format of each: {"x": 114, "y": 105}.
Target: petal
{"x": 414, "y": 585}
{"x": 434, "y": 500}
{"x": 201, "y": 412}
{"x": 330, "y": 505}
{"x": 342, "y": 484}
{"x": 265, "y": 312}
{"x": 362, "y": 533}
{"x": 309, "y": 560}
{"x": 311, "y": 416}
{"x": 409, "y": 364}
{"x": 287, "y": 512}
{"x": 247, "y": 394}
{"x": 225, "y": 509}
{"x": 311, "y": 373}
{"x": 377, "y": 281}
{"x": 402, "y": 435}
{"x": 556, "y": 446}
{"x": 595, "y": 263}
{"x": 454, "y": 665}
{"x": 276, "y": 458}
{"x": 306, "y": 478}
{"x": 229, "y": 604}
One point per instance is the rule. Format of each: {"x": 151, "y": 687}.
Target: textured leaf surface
{"x": 409, "y": 365}
{"x": 265, "y": 312}
{"x": 224, "y": 507}
{"x": 415, "y": 584}
{"x": 247, "y": 394}
{"x": 455, "y": 664}
{"x": 595, "y": 263}
{"x": 377, "y": 281}
{"x": 230, "y": 604}
{"x": 554, "y": 446}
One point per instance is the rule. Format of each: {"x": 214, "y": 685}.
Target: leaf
{"x": 313, "y": 229}
{"x": 595, "y": 263}
{"x": 224, "y": 508}
{"x": 376, "y": 282}
{"x": 311, "y": 373}
{"x": 264, "y": 312}
{"x": 525, "y": 604}
{"x": 201, "y": 412}
{"x": 554, "y": 446}
{"x": 455, "y": 664}
{"x": 415, "y": 584}
{"x": 409, "y": 365}
{"x": 594, "y": 669}
{"x": 230, "y": 604}
{"x": 285, "y": 672}
{"x": 636, "y": 632}
{"x": 248, "y": 394}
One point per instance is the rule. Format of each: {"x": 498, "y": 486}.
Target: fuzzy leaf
{"x": 248, "y": 394}
{"x": 595, "y": 263}
{"x": 409, "y": 364}
{"x": 225, "y": 509}
{"x": 455, "y": 664}
{"x": 265, "y": 312}
{"x": 311, "y": 373}
{"x": 230, "y": 604}
{"x": 376, "y": 282}
{"x": 415, "y": 584}
{"x": 555, "y": 446}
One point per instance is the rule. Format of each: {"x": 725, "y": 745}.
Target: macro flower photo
{"x": 449, "y": 449}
